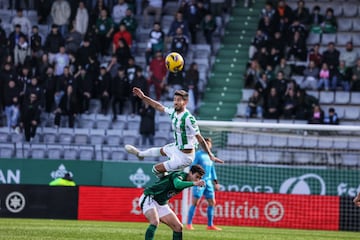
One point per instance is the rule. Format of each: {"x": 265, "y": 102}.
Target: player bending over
{"x": 181, "y": 153}
{"x": 154, "y": 201}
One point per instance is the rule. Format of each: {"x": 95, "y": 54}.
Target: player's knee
{"x": 154, "y": 222}
{"x": 178, "y": 228}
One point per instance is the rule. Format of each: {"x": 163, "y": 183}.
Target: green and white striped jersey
{"x": 185, "y": 128}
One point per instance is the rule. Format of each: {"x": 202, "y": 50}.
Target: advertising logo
{"x": 139, "y": 179}
{"x": 60, "y": 172}
{"x": 274, "y": 211}
{"x": 309, "y": 184}
{"x": 15, "y": 202}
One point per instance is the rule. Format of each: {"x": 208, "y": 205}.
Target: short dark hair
{"x": 197, "y": 169}
{"x": 182, "y": 93}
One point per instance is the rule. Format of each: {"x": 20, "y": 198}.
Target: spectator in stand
{"x": 104, "y": 30}
{"x": 262, "y": 57}
{"x": 73, "y": 40}
{"x": 260, "y": 40}
{"x": 283, "y": 16}
{"x": 302, "y": 13}
{"x": 96, "y": 11}
{"x": 324, "y": 78}
{"x": 30, "y": 117}
{"x": 61, "y": 84}
{"x": 36, "y": 42}
{"x": 341, "y": 77}
{"x": 81, "y": 19}
{"x": 261, "y": 85}
{"x": 191, "y": 82}
{"x": 278, "y": 42}
{"x": 289, "y": 104}
{"x": 153, "y": 7}
{"x": 272, "y": 105}
{"x": 23, "y": 80}
{"x": 316, "y": 19}
{"x": 14, "y": 37}
{"x": 84, "y": 88}
{"x": 267, "y": 26}
{"x": 311, "y": 77}
{"x": 178, "y": 22}
{"x": 280, "y": 83}
{"x": 315, "y": 55}
{"x": 22, "y": 52}
{"x": 130, "y": 22}
{"x": 131, "y": 69}
{"x": 284, "y": 67}
{"x": 60, "y": 13}
{"x": 61, "y": 60}
{"x": 157, "y": 74}
{"x": 35, "y": 87}
{"x": 7, "y": 74}
{"x": 175, "y": 81}
{"x": 113, "y": 66}
{"x": 268, "y": 10}
{"x": 49, "y": 83}
{"x": 102, "y": 85}
{"x": 194, "y": 16}
{"x": 329, "y": 25}
{"x": 180, "y": 43}
{"x": 349, "y": 56}
{"x": 3, "y": 41}
{"x": 85, "y": 52}
{"x": 147, "y": 124}
{"x": 297, "y": 48}
{"x": 208, "y": 26}
{"x": 255, "y": 105}
{"x": 155, "y": 42}
{"x": 43, "y": 9}
{"x": 331, "y": 56}
{"x": 252, "y": 74}
{"x": 119, "y": 12}
{"x": 11, "y": 93}
{"x": 53, "y": 42}
{"x": 23, "y": 21}
{"x": 305, "y": 105}
{"x": 332, "y": 117}
{"x": 124, "y": 34}
{"x": 355, "y": 78}
{"x": 119, "y": 91}
{"x": 141, "y": 83}
{"x": 317, "y": 116}
{"x": 69, "y": 106}
{"x": 297, "y": 27}
{"x": 273, "y": 58}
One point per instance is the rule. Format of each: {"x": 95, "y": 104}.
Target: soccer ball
{"x": 174, "y": 62}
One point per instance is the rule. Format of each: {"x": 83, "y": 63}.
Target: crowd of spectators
{"x": 279, "y": 50}
{"x": 89, "y": 53}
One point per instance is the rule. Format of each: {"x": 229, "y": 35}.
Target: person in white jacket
{"x": 23, "y": 21}
{"x": 119, "y": 12}
{"x": 81, "y": 19}
{"x": 60, "y": 13}
{"x": 21, "y": 52}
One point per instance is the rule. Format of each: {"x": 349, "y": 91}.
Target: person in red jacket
{"x": 157, "y": 74}
{"x": 122, "y": 33}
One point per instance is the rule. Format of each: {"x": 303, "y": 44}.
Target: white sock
{"x": 151, "y": 152}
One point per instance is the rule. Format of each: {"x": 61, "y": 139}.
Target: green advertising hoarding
{"x": 288, "y": 180}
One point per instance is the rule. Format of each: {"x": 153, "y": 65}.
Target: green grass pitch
{"x": 40, "y": 229}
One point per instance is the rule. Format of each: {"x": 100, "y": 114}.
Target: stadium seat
{"x": 356, "y": 40}
{"x": 54, "y": 152}
{"x": 133, "y": 125}
{"x": 352, "y": 113}
{"x": 163, "y": 126}
{"x": 16, "y": 137}
{"x": 50, "y": 135}
{"x": 7, "y": 150}
{"x": 241, "y": 109}
{"x": 71, "y": 153}
{"x": 160, "y": 141}
{"x": 296, "y": 141}
{"x": 264, "y": 140}
{"x": 342, "y": 38}
{"x": 246, "y": 94}
{"x": 81, "y": 136}
{"x": 97, "y": 136}
{"x": 349, "y": 159}
{"x": 356, "y": 24}
{"x": 326, "y": 97}
{"x": 349, "y": 9}
{"x": 279, "y": 141}
{"x": 313, "y": 38}
{"x": 103, "y": 121}
{"x": 326, "y": 143}
{"x": 4, "y": 134}
{"x": 66, "y": 135}
{"x": 268, "y": 156}
{"x": 232, "y": 155}
{"x": 86, "y": 153}
{"x": 87, "y": 120}
{"x": 355, "y": 98}
{"x": 249, "y": 139}
{"x": 342, "y": 97}
{"x": 38, "y": 151}
{"x": 117, "y": 155}
{"x": 303, "y": 157}
{"x": 340, "y": 143}
{"x": 327, "y": 38}
{"x": 310, "y": 142}
{"x": 113, "y": 137}
{"x": 345, "y": 24}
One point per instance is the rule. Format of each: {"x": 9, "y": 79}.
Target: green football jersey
{"x": 164, "y": 189}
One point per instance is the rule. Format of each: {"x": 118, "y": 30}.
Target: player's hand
{"x": 138, "y": 92}
{"x": 217, "y": 187}
{"x": 357, "y": 200}
{"x": 217, "y": 160}
{"x": 200, "y": 183}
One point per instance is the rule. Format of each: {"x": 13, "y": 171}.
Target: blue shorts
{"x": 208, "y": 191}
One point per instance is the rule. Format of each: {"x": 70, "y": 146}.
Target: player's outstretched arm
{"x": 204, "y": 146}
{"x": 155, "y": 104}
{"x": 357, "y": 200}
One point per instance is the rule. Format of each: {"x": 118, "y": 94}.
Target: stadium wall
{"x": 121, "y": 204}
